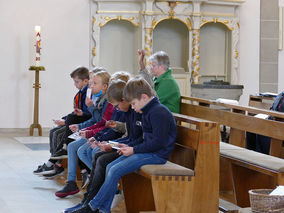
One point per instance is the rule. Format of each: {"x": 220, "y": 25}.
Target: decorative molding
{"x": 195, "y": 76}
{"x": 131, "y": 19}
{"x": 217, "y": 20}
{"x": 187, "y": 22}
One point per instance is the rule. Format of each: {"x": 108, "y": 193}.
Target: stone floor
{"x": 21, "y": 190}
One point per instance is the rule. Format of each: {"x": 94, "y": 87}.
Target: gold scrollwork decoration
{"x": 236, "y": 54}
{"x": 94, "y": 20}
{"x": 216, "y": 20}
{"x": 108, "y": 19}
{"x": 94, "y": 51}
{"x": 187, "y": 22}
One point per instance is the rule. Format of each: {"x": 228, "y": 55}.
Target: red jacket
{"x": 94, "y": 129}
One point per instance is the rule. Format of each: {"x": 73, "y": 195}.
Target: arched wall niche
{"x": 215, "y": 52}
{"x": 119, "y": 40}
{"x": 172, "y": 36}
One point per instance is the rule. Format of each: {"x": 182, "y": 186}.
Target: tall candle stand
{"x": 36, "y": 85}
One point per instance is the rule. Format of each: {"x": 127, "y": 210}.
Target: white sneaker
{"x": 117, "y": 200}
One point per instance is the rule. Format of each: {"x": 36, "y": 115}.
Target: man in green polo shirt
{"x": 165, "y": 85}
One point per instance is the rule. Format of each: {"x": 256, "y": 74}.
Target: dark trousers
{"x": 258, "y": 143}
{"x": 100, "y": 162}
{"x": 71, "y": 119}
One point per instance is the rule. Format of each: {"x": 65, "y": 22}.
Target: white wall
{"x": 65, "y": 45}
{"x": 249, "y": 48}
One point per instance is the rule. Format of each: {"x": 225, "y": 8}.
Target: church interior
{"x": 226, "y": 57}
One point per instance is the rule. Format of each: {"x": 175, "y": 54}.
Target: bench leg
{"x": 138, "y": 193}
{"x": 173, "y": 194}
{"x": 275, "y": 147}
{"x": 246, "y": 179}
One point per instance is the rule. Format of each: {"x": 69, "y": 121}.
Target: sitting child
{"x": 159, "y": 133}
{"x": 80, "y": 77}
{"x": 107, "y": 155}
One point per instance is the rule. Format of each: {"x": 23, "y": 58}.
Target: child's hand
{"x": 88, "y": 101}
{"x": 104, "y": 146}
{"x": 141, "y": 55}
{"x": 111, "y": 124}
{"x": 121, "y": 145}
{"x": 94, "y": 144}
{"x": 59, "y": 122}
{"x": 126, "y": 151}
{"x": 74, "y": 128}
{"x": 78, "y": 112}
{"x": 83, "y": 134}
{"x": 91, "y": 140}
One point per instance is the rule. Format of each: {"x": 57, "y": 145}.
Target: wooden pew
{"x": 239, "y": 119}
{"x": 261, "y": 102}
{"x": 180, "y": 186}
{"x": 239, "y": 165}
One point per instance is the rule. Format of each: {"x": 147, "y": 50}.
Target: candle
{"x": 37, "y": 45}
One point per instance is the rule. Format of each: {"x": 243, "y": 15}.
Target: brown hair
{"x": 120, "y": 75}
{"x": 81, "y": 72}
{"x": 115, "y": 91}
{"x": 135, "y": 88}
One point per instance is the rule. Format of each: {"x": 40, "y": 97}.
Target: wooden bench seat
{"x": 251, "y": 170}
{"x": 175, "y": 187}
{"x": 262, "y": 161}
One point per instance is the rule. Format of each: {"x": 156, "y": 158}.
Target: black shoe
{"x": 85, "y": 209}
{"x": 44, "y": 169}
{"x": 85, "y": 179}
{"x": 61, "y": 154}
{"x": 58, "y": 170}
{"x": 70, "y": 188}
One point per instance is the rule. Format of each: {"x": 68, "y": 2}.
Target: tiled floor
{"x": 20, "y": 190}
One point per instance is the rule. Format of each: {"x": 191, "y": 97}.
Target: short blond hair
{"x": 135, "y": 88}
{"x": 104, "y": 75}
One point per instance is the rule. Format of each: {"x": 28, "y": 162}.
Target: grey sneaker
{"x": 58, "y": 170}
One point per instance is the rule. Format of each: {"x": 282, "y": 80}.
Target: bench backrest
{"x": 202, "y": 137}
{"x": 235, "y": 116}
{"x": 261, "y": 102}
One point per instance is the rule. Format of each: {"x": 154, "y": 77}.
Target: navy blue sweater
{"x": 134, "y": 128}
{"x": 159, "y": 130}
{"x": 109, "y": 133}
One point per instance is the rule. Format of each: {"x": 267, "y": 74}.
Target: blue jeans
{"x": 86, "y": 153}
{"x": 73, "y": 157}
{"x": 115, "y": 170}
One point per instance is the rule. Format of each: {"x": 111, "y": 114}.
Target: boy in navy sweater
{"x": 159, "y": 131}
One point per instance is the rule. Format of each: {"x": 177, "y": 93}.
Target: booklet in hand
{"x": 74, "y": 136}
{"x": 114, "y": 145}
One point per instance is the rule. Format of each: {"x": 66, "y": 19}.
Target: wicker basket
{"x": 261, "y": 201}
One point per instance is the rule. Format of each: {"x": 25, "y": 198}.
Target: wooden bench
{"x": 240, "y": 166}
{"x": 261, "y": 102}
{"x": 181, "y": 185}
